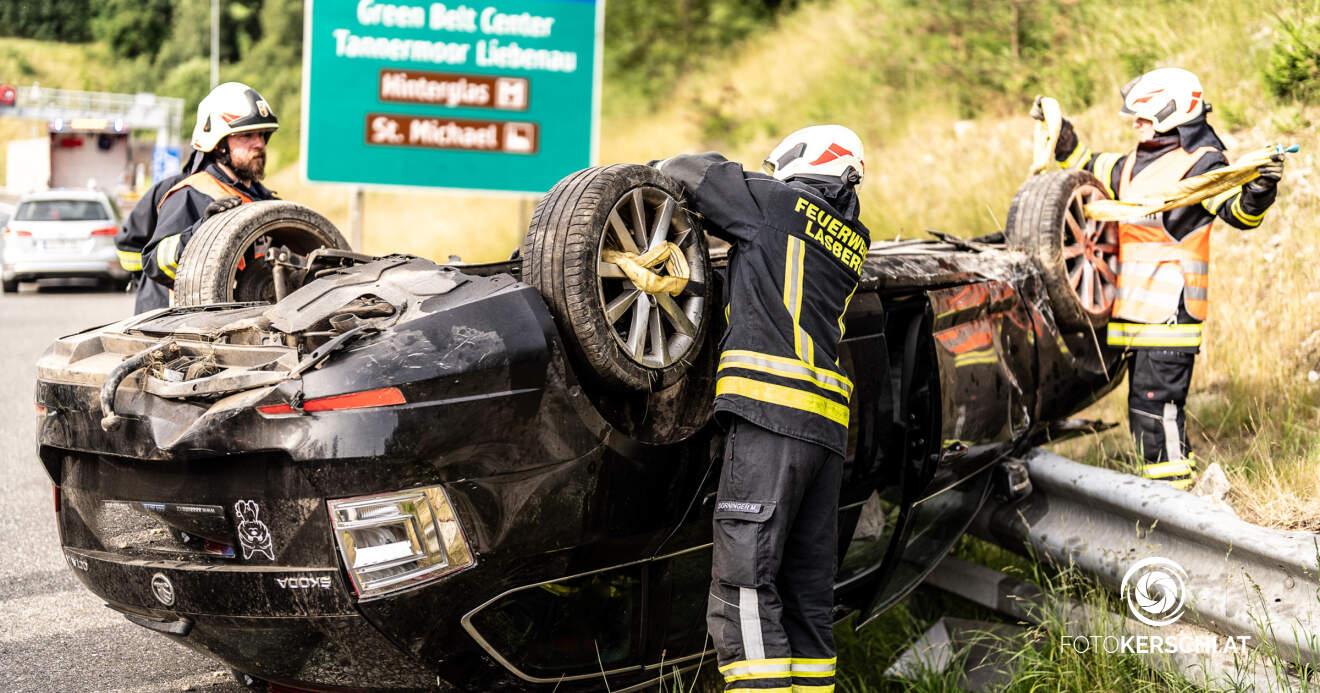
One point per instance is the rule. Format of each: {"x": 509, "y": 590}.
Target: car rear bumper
{"x": 38, "y": 269}
{"x": 308, "y": 635}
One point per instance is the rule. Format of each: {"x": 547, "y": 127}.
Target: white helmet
{"x": 820, "y": 150}
{"x": 1167, "y": 97}
{"x": 229, "y": 108}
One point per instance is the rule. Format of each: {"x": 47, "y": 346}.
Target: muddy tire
{"x": 220, "y": 264}
{"x": 627, "y": 340}
{"x": 1077, "y": 257}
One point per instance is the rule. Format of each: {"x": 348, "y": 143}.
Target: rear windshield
{"x": 61, "y": 210}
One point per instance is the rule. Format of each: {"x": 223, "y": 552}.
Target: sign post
{"x": 496, "y": 96}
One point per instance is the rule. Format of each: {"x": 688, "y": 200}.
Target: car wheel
{"x": 11, "y": 286}
{"x": 1077, "y": 257}
{"x": 227, "y": 260}
{"x": 627, "y": 339}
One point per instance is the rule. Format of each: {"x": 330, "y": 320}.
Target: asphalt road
{"x": 55, "y": 635}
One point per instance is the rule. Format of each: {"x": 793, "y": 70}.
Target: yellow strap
{"x": 639, "y": 268}
{"x": 131, "y": 262}
{"x": 1188, "y": 191}
{"x": 783, "y": 396}
{"x": 1046, "y": 136}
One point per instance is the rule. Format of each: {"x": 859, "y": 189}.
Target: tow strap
{"x": 1189, "y": 191}
{"x": 1184, "y": 193}
{"x": 639, "y": 268}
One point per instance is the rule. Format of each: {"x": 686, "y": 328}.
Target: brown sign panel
{"x": 453, "y": 133}
{"x": 443, "y": 89}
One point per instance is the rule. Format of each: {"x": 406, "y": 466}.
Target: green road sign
{"x": 497, "y": 95}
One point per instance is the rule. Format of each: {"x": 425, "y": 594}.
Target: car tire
{"x": 10, "y": 286}
{"x": 1077, "y": 257}
{"x": 627, "y": 339}
{"x": 209, "y": 269}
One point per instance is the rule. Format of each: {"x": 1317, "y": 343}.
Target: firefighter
{"x": 796, "y": 256}
{"x": 1164, "y": 259}
{"x": 224, "y": 170}
{"x": 133, "y": 237}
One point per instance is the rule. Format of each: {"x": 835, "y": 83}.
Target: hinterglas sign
{"x": 497, "y": 96}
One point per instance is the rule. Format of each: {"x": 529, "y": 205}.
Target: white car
{"x": 62, "y": 234}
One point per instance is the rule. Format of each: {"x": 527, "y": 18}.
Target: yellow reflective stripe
{"x": 776, "y": 689}
{"x": 795, "y": 258}
{"x": 1181, "y": 484}
{"x": 829, "y": 380}
{"x": 1248, "y": 219}
{"x": 1142, "y": 335}
{"x": 828, "y": 688}
{"x": 783, "y": 396}
{"x": 807, "y": 662}
{"x": 778, "y": 661}
{"x": 167, "y": 252}
{"x": 1213, "y": 204}
{"x": 130, "y": 261}
{"x": 1080, "y": 153}
{"x": 1104, "y": 169}
{"x": 1166, "y": 469}
{"x": 974, "y": 357}
{"x": 756, "y": 675}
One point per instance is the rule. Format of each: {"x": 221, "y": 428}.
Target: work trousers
{"x": 1158, "y": 381}
{"x": 772, "y": 574}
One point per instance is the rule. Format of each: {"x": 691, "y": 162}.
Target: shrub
{"x": 1294, "y": 64}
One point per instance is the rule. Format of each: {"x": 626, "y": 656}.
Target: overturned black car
{"x": 402, "y": 475}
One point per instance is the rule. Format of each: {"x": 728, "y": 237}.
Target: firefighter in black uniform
{"x": 796, "y": 258}
{"x": 224, "y": 170}
{"x": 1164, "y": 259}
{"x": 133, "y": 237}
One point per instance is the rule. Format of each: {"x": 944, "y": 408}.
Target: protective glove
{"x": 221, "y": 205}
{"x": 1269, "y": 174}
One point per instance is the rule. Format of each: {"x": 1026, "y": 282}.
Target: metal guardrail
{"x": 1241, "y": 579}
{"x": 1026, "y": 601}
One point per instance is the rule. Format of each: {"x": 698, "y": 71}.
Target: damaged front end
{"x": 254, "y": 480}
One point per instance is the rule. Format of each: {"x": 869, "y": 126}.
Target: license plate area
{"x": 171, "y": 528}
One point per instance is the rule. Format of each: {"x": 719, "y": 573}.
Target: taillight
{"x": 395, "y": 541}
{"x": 366, "y": 399}
{"x": 16, "y": 232}
{"x": 107, "y": 231}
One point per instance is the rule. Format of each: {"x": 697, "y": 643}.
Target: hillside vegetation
{"x": 938, "y": 92}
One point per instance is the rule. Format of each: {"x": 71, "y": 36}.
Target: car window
{"x": 61, "y": 210}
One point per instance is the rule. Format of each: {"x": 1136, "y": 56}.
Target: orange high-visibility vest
{"x": 1154, "y": 269}
{"x": 208, "y": 185}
